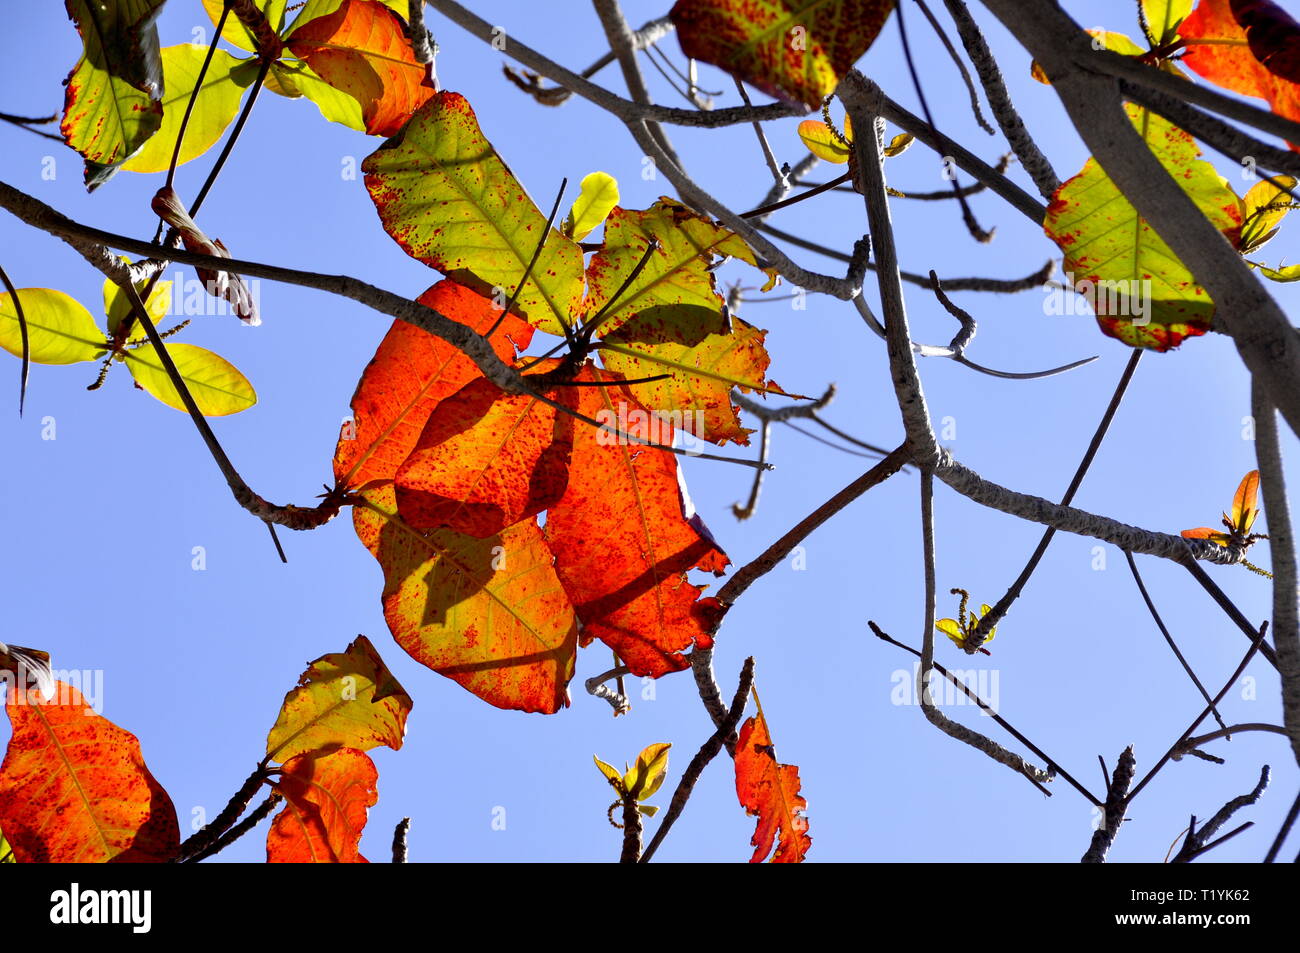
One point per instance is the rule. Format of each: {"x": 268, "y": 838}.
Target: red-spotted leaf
{"x": 487, "y": 460}
{"x": 445, "y": 196}
{"x": 625, "y": 536}
{"x": 326, "y": 800}
{"x": 1139, "y": 290}
{"x": 1227, "y": 51}
{"x": 486, "y": 613}
{"x": 74, "y": 787}
{"x": 363, "y": 49}
{"x": 410, "y": 373}
{"x": 796, "y": 50}
{"x": 113, "y": 102}
{"x": 770, "y": 791}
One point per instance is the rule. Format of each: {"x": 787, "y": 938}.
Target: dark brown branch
{"x": 1113, "y": 810}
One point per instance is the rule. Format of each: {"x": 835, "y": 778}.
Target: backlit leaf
{"x": 74, "y": 787}
{"x": 486, "y": 460}
{"x": 624, "y": 538}
{"x": 218, "y": 101}
{"x": 410, "y": 373}
{"x": 346, "y": 699}
{"x": 446, "y": 197}
{"x": 297, "y": 80}
{"x": 647, "y": 775}
{"x": 677, "y": 274}
{"x": 487, "y": 613}
{"x": 326, "y": 802}
{"x": 1128, "y": 267}
{"x": 6, "y": 852}
{"x": 1163, "y": 17}
{"x": 1264, "y": 206}
{"x": 771, "y": 792}
{"x": 59, "y": 329}
{"x": 823, "y": 143}
{"x": 612, "y": 775}
{"x": 362, "y": 48}
{"x": 1244, "y": 510}
{"x": 217, "y": 385}
{"x": 796, "y": 50}
{"x": 706, "y": 352}
{"x": 1273, "y": 35}
{"x": 1217, "y": 48}
{"x": 114, "y": 94}
{"x": 599, "y": 194}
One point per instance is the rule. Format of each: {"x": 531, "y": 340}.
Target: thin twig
{"x": 708, "y": 751}
{"x": 22, "y": 333}
{"x": 1112, "y": 816}
{"x": 1198, "y": 842}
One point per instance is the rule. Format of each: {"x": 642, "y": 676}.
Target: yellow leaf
{"x": 648, "y": 773}
{"x": 611, "y": 774}
{"x": 59, "y": 329}
{"x": 117, "y": 306}
{"x": 898, "y": 145}
{"x": 216, "y": 385}
{"x": 950, "y": 628}
{"x": 598, "y": 196}
{"x": 821, "y": 142}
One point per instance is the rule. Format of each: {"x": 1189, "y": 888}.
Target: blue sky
{"x": 103, "y": 521}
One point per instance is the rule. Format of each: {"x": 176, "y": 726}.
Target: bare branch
{"x": 1113, "y": 810}
{"x": 1198, "y": 842}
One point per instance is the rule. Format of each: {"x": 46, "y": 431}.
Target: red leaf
{"x": 624, "y": 538}
{"x": 326, "y": 801}
{"x": 363, "y": 49}
{"x": 487, "y": 460}
{"x": 410, "y": 373}
{"x": 770, "y": 791}
{"x": 1218, "y": 49}
{"x": 74, "y": 787}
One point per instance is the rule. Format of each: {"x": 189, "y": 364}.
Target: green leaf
{"x": 113, "y": 102}
{"x": 647, "y": 775}
{"x": 707, "y": 353}
{"x": 296, "y": 80}
{"x": 599, "y": 194}
{"x": 59, "y": 329}
{"x": 235, "y": 33}
{"x": 1142, "y": 294}
{"x": 1284, "y": 274}
{"x": 346, "y": 699}
{"x": 1162, "y": 19}
{"x": 446, "y": 197}
{"x": 677, "y": 274}
{"x": 796, "y": 50}
{"x": 216, "y": 385}
{"x": 217, "y": 103}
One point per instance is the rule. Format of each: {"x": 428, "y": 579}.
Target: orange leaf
{"x": 74, "y": 787}
{"x": 487, "y": 613}
{"x": 362, "y": 49}
{"x": 1243, "y": 502}
{"x": 624, "y": 538}
{"x": 326, "y": 800}
{"x": 1205, "y": 532}
{"x": 487, "y": 460}
{"x": 770, "y": 791}
{"x": 1218, "y": 49}
{"x": 410, "y": 373}
{"x": 1273, "y": 35}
